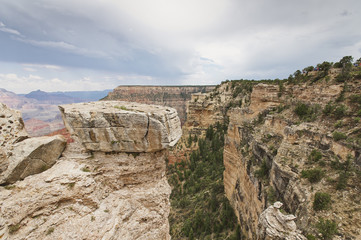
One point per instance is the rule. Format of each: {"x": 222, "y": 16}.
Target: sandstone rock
{"x": 114, "y": 126}
{"x": 95, "y": 204}
{"x": 31, "y": 156}
{"x": 97, "y": 195}
{"x": 275, "y": 225}
{"x": 11, "y": 127}
{"x": 172, "y": 96}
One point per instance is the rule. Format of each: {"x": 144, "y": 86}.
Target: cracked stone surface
{"x": 116, "y": 126}
{"x": 31, "y": 156}
{"x": 98, "y": 194}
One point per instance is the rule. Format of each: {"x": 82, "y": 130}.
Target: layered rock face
{"x": 101, "y": 192}
{"x": 172, "y": 96}
{"x": 115, "y": 126}
{"x": 266, "y": 149}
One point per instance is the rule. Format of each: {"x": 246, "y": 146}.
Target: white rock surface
{"x": 12, "y": 128}
{"x": 31, "y": 156}
{"x": 84, "y": 196}
{"x": 96, "y": 194}
{"x": 115, "y": 126}
{"x": 275, "y": 225}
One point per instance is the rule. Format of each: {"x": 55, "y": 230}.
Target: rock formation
{"x": 268, "y": 148}
{"x": 11, "y": 127}
{"x": 31, "y": 156}
{"x": 115, "y": 126}
{"x": 21, "y": 156}
{"x": 172, "y": 96}
{"x": 275, "y": 225}
{"x": 100, "y": 192}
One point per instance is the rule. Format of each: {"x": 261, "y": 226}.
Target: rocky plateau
{"x": 98, "y": 187}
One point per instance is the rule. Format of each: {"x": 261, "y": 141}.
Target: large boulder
{"x": 115, "y": 126}
{"x": 31, "y": 156}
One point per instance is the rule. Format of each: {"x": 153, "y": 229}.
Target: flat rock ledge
{"x": 116, "y": 126}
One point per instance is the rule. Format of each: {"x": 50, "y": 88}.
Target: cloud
{"x": 3, "y": 28}
{"x": 175, "y": 42}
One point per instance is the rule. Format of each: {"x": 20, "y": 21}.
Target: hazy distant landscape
{"x": 40, "y": 109}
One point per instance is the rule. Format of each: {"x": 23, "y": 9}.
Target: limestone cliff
{"x": 291, "y": 141}
{"x": 172, "y": 96}
{"x": 106, "y": 190}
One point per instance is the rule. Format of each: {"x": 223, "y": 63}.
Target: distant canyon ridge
{"x": 172, "y": 96}
{"x": 41, "y": 114}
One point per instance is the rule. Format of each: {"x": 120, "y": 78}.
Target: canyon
{"x": 275, "y": 128}
{"x": 289, "y": 151}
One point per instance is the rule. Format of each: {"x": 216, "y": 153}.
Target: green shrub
{"x": 328, "y": 109}
{"x": 14, "y": 228}
{"x": 307, "y": 112}
{"x": 340, "y": 111}
{"x": 322, "y": 201}
{"x": 337, "y": 136}
{"x": 327, "y": 228}
{"x": 315, "y": 156}
{"x": 313, "y": 175}
{"x": 310, "y": 237}
{"x": 50, "y": 231}
{"x": 301, "y": 110}
{"x": 263, "y": 171}
{"x": 342, "y": 180}
{"x": 356, "y": 98}
{"x": 338, "y": 124}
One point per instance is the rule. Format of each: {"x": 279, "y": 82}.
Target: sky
{"x": 78, "y": 45}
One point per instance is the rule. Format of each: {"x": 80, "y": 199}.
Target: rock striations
{"x": 115, "y": 126}
{"x": 172, "y": 96}
{"x": 109, "y": 183}
{"x": 291, "y": 143}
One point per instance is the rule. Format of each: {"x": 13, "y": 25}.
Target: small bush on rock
{"x": 313, "y": 175}
{"x": 322, "y": 201}
{"x": 327, "y": 228}
{"x": 337, "y": 136}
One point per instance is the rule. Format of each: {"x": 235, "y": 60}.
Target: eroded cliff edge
{"x": 295, "y": 141}
{"x": 102, "y": 187}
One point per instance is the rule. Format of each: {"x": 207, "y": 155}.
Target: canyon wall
{"x": 173, "y": 96}
{"x": 109, "y": 183}
{"x": 274, "y": 131}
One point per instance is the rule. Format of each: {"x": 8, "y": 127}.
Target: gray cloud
{"x": 174, "y": 42}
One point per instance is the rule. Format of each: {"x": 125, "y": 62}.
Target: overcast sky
{"x": 62, "y": 45}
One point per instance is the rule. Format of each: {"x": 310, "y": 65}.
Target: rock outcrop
{"x": 172, "y": 96}
{"x": 275, "y": 225}
{"x": 31, "y": 156}
{"x": 115, "y": 126}
{"x": 12, "y": 128}
{"x": 21, "y": 156}
{"x": 94, "y": 194}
